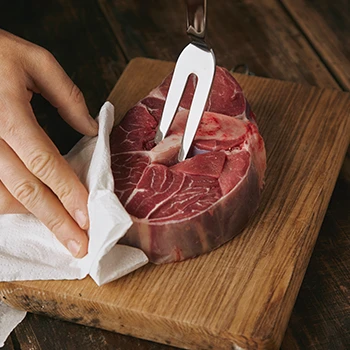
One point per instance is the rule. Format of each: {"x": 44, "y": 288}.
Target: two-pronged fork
{"x": 196, "y": 58}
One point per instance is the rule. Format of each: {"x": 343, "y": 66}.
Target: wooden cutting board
{"x": 242, "y": 294}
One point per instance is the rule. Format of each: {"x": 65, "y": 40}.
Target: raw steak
{"x": 182, "y": 210}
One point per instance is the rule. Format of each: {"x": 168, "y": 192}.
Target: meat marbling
{"x": 182, "y": 210}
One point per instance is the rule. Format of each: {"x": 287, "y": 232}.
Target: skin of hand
{"x": 34, "y": 177}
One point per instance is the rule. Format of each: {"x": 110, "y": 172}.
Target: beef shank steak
{"x": 181, "y": 210}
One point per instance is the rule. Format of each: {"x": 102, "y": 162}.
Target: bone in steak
{"x": 183, "y": 210}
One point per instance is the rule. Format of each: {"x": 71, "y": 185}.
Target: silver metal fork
{"x": 196, "y": 58}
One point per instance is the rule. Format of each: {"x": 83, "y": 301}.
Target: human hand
{"x": 34, "y": 177}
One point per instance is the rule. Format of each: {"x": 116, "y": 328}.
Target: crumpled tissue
{"x": 29, "y": 251}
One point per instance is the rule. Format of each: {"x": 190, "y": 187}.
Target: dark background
{"x": 305, "y": 41}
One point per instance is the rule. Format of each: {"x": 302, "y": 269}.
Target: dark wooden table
{"x": 296, "y": 40}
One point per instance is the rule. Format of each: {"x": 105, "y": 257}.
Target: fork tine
{"x": 176, "y": 89}
{"x": 199, "y": 101}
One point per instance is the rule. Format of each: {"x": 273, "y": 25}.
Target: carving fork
{"x": 196, "y": 58}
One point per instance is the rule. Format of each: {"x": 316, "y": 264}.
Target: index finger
{"x": 41, "y": 157}
{"x": 40, "y": 201}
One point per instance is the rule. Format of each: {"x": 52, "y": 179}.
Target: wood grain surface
{"x": 242, "y": 293}
{"x": 328, "y": 30}
{"x": 39, "y": 332}
{"x": 329, "y": 328}
{"x": 258, "y": 33}
{"x": 78, "y": 33}
{"x": 271, "y": 41}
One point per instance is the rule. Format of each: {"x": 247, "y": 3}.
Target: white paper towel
{"x": 29, "y": 251}
{"x": 9, "y": 319}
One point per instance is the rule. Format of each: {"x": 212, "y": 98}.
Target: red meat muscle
{"x": 181, "y": 210}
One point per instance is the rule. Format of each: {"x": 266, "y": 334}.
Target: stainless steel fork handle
{"x": 196, "y": 19}
{"x": 198, "y": 59}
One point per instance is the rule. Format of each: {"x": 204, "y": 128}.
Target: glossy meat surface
{"x": 181, "y": 210}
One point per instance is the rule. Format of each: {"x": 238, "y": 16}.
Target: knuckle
{"x": 55, "y": 223}
{"x": 42, "y": 164}
{"x": 9, "y": 128}
{"x": 28, "y": 193}
{"x": 75, "y": 94}
{"x": 9, "y": 125}
{"x": 64, "y": 192}
{"x": 45, "y": 57}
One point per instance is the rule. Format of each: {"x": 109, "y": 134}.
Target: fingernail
{"x": 81, "y": 219}
{"x": 74, "y": 247}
